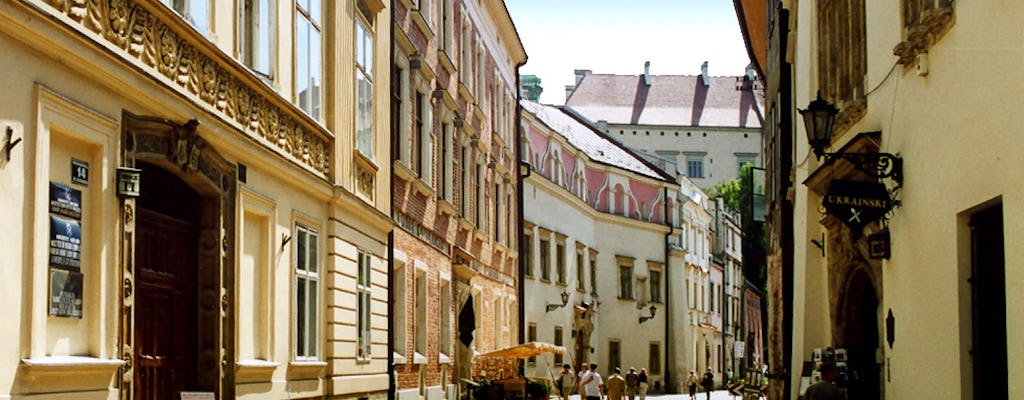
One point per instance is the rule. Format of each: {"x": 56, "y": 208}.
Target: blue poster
{"x": 65, "y": 201}
{"x": 65, "y": 242}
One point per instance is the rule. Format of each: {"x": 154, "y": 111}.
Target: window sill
{"x": 446, "y": 207}
{"x": 465, "y": 224}
{"x": 247, "y": 371}
{"x": 306, "y": 369}
{"x": 398, "y": 358}
{"x": 403, "y": 171}
{"x": 444, "y": 359}
{"x": 418, "y": 358}
{"x": 530, "y": 277}
{"x": 72, "y": 373}
{"x": 421, "y": 22}
{"x": 626, "y": 299}
{"x": 446, "y": 61}
{"x": 465, "y": 93}
{"x": 422, "y": 187}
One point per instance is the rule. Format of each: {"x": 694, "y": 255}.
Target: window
{"x": 545, "y": 260}
{"x": 445, "y": 183}
{"x": 580, "y": 277}
{"x": 695, "y": 167}
{"x": 479, "y": 186}
{"x": 498, "y": 217}
{"x": 308, "y": 68}
{"x": 466, "y": 53}
{"x": 398, "y": 79}
{"x": 195, "y": 12}
{"x": 560, "y": 262}
{"x": 531, "y": 336}
{"x": 421, "y": 313}
{"x": 528, "y": 253}
{"x": 655, "y": 282}
{"x": 842, "y": 50}
{"x": 464, "y": 179}
{"x": 654, "y": 358}
{"x": 307, "y": 295}
{"x": 558, "y": 342}
{"x": 625, "y": 282}
{"x": 364, "y": 291}
{"x": 446, "y": 32}
{"x": 593, "y": 274}
{"x": 614, "y": 355}
{"x": 401, "y": 308}
{"x": 256, "y": 25}
{"x": 416, "y": 150}
{"x": 364, "y": 83}
{"x": 445, "y": 318}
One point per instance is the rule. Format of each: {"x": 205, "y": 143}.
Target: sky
{"x": 618, "y": 36}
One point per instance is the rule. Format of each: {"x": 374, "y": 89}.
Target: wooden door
{"x": 165, "y": 316}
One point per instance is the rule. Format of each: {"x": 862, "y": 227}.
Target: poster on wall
{"x": 65, "y": 201}
{"x": 65, "y": 242}
{"x": 65, "y": 293}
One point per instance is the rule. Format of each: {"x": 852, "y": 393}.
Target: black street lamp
{"x": 554, "y": 306}
{"x": 819, "y": 117}
{"x": 652, "y": 309}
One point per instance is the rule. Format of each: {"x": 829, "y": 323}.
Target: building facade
{"x": 696, "y": 223}
{"x": 196, "y": 199}
{"x": 707, "y": 125}
{"x": 727, "y": 251}
{"x": 942, "y": 260}
{"x": 456, "y": 194}
{"x": 601, "y": 246}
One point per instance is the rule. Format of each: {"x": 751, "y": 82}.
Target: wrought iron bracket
{"x": 877, "y": 165}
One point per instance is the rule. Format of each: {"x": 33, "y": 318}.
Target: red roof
{"x": 672, "y": 100}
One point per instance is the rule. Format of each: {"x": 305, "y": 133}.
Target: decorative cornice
{"x": 161, "y": 44}
{"x": 921, "y": 35}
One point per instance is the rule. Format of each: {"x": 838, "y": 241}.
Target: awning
{"x": 526, "y": 350}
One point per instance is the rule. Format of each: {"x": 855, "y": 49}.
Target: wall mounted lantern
{"x": 819, "y": 117}
{"x": 554, "y": 306}
{"x": 652, "y": 309}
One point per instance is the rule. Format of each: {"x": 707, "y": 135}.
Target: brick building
{"x": 454, "y": 79}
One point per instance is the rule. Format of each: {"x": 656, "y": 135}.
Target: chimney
{"x": 568, "y": 91}
{"x": 580, "y": 73}
{"x": 647, "y": 73}
{"x": 704, "y": 74}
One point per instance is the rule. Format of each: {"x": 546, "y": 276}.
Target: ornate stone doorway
{"x": 176, "y": 248}
{"x": 860, "y": 336}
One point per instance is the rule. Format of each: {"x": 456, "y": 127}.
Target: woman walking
{"x": 642, "y": 381}
{"x": 691, "y": 384}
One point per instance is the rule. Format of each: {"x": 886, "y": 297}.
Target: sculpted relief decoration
{"x": 143, "y": 37}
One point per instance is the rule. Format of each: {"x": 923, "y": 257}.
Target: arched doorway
{"x": 860, "y": 336}
{"x": 166, "y": 266}
{"x": 177, "y": 269}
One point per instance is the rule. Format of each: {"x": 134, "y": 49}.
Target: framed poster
{"x": 65, "y": 201}
{"x": 65, "y": 242}
{"x": 65, "y": 293}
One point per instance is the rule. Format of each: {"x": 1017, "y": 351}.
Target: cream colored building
{"x": 696, "y": 225}
{"x": 938, "y": 316}
{"x": 598, "y": 245}
{"x": 248, "y": 257}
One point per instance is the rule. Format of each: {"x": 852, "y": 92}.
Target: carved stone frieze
{"x": 143, "y": 37}
{"x": 923, "y": 33}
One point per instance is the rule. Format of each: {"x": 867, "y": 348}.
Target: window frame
{"x": 304, "y": 327}
{"x": 302, "y": 15}
{"x": 625, "y": 281}
{"x": 364, "y": 66}
{"x": 246, "y": 42}
{"x": 364, "y": 307}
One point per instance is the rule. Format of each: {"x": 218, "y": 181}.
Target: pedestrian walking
{"x": 579, "y": 380}
{"x": 631, "y": 383}
{"x": 593, "y": 384}
{"x": 616, "y": 385}
{"x": 642, "y": 381}
{"x": 566, "y": 383}
{"x": 691, "y": 384}
{"x": 708, "y": 381}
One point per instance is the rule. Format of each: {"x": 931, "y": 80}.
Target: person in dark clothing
{"x": 708, "y": 382}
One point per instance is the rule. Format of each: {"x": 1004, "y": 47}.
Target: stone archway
{"x": 177, "y": 151}
{"x": 859, "y": 334}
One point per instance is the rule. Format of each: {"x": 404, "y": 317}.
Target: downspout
{"x": 520, "y": 290}
{"x": 392, "y": 383}
{"x": 668, "y": 301}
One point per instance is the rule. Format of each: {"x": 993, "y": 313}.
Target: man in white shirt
{"x": 593, "y": 383}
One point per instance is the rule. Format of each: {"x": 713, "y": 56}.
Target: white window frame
{"x": 257, "y": 35}
{"x": 364, "y": 307}
{"x": 315, "y": 61}
{"x": 364, "y": 99}
{"x": 307, "y": 277}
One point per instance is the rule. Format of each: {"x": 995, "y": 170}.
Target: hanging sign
{"x": 65, "y": 201}
{"x": 857, "y": 203}
{"x": 65, "y": 242}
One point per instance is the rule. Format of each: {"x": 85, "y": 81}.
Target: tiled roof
{"x": 591, "y": 142}
{"x": 673, "y": 100}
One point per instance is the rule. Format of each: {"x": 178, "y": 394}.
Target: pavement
{"x": 716, "y": 395}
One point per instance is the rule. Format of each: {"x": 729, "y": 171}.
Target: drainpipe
{"x": 392, "y": 384}
{"x": 668, "y": 301}
{"x": 520, "y": 290}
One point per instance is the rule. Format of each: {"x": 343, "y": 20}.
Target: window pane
{"x": 315, "y": 72}
{"x": 302, "y": 62}
{"x": 300, "y": 246}
{"x": 300, "y": 317}
{"x": 313, "y": 311}
{"x": 199, "y": 15}
{"x": 312, "y": 256}
{"x": 314, "y": 10}
{"x": 263, "y": 46}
